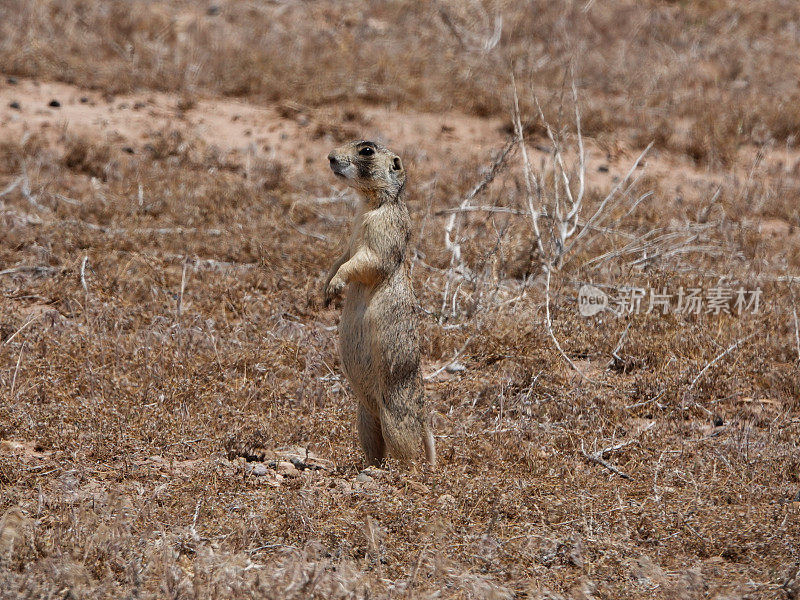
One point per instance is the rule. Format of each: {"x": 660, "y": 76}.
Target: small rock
{"x": 447, "y": 500}
{"x": 84, "y": 100}
{"x": 575, "y": 551}
{"x": 213, "y": 10}
{"x": 54, "y": 104}
{"x": 363, "y": 478}
{"x": 11, "y": 81}
{"x": 15, "y": 105}
{"x": 693, "y": 582}
{"x": 645, "y": 571}
{"x": 259, "y": 469}
{"x": 718, "y": 421}
{"x": 343, "y": 486}
{"x": 128, "y": 150}
{"x": 418, "y": 487}
{"x": 603, "y": 168}
{"x": 287, "y": 469}
{"x": 455, "y": 367}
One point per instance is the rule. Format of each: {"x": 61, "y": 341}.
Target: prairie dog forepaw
{"x": 333, "y": 289}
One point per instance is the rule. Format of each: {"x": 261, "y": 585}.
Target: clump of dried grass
{"x": 458, "y": 60}
{"x": 135, "y": 406}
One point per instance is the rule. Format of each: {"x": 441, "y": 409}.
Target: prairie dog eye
{"x": 366, "y": 151}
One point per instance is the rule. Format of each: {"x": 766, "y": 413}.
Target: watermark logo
{"x": 634, "y": 300}
{"x": 591, "y": 300}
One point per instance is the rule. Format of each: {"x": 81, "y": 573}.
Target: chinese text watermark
{"x": 634, "y": 300}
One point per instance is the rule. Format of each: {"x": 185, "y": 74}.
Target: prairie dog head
{"x": 371, "y": 169}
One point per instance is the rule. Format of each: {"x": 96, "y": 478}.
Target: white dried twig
{"x": 529, "y": 177}
{"x": 183, "y": 287}
{"x": 796, "y": 333}
{"x": 565, "y": 223}
{"x": 560, "y": 200}
{"x": 85, "y": 286}
{"x": 11, "y": 187}
{"x": 549, "y": 326}
{"x": 452, "y": 240}
{"x": 720, "y": 357}
{"x": 30, "y": 320}
{"x": 489, "y": 209}
{"x": 456, "y": 356}
{"x": 596, "y": 457}
{"x": 615, "y": 352}
{"x": 598, "y": 214}
{"x": 83, "y": 275}
{"x": 16, "y": 370}
{"x": 28, "y": 269}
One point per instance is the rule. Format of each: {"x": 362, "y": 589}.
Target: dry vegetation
{"x": 172, "y": 418}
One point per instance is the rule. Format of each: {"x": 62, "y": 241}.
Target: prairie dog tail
{"x": 402, "y": 422}
{"x": 430, "y": 444}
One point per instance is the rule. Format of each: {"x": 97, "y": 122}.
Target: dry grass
{"x": 150, "y": 401}
{"x": 637, "y": 64}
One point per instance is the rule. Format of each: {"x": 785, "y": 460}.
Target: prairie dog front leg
{"x": 364, "y": 267}
{"x": 331, "y": 274}
{"x": 332, "y": 271}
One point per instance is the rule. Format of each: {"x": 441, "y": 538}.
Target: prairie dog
{"x": 379, "y": 342}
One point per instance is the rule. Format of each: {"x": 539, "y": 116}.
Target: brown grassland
{"x": 173, "y": 419}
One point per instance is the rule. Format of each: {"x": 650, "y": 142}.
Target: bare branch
{"x": 720, "y": 357}
{"x": 597, "y": 458}
{"x": 549, "y": 325}
{"x": 610, "y": 195}
{"x": 527, "y": 172}
{"x": 30, "y": 320}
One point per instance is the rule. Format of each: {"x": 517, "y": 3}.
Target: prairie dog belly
{"x": 379, "y": 342}
{"x": 354, "y": 342}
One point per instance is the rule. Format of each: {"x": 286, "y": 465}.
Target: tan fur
{"x": 379, "y": 342}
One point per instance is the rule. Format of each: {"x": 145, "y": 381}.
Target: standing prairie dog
{"x": 379, "y": 343}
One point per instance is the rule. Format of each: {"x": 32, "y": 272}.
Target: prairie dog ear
{"x": 397, "y": 165}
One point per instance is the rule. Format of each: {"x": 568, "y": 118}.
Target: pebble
{"x": 128, "y": 150}
{"x": 455, "y": 367}
{"x": 718, "y": 421}
{"x": 363, "y": 478}
{"x": 84, "y": 99}
{"x": 15, "y": 105}
{"x": 213, "y": 10}
{"x": 288, "y": 469}
{"x": 420, "y": 488}
{"x": 603, "y": 168}
{"x": 54, "y": 104}
{"x": 259, "y": 469}
{"x": 11, "y": 81}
